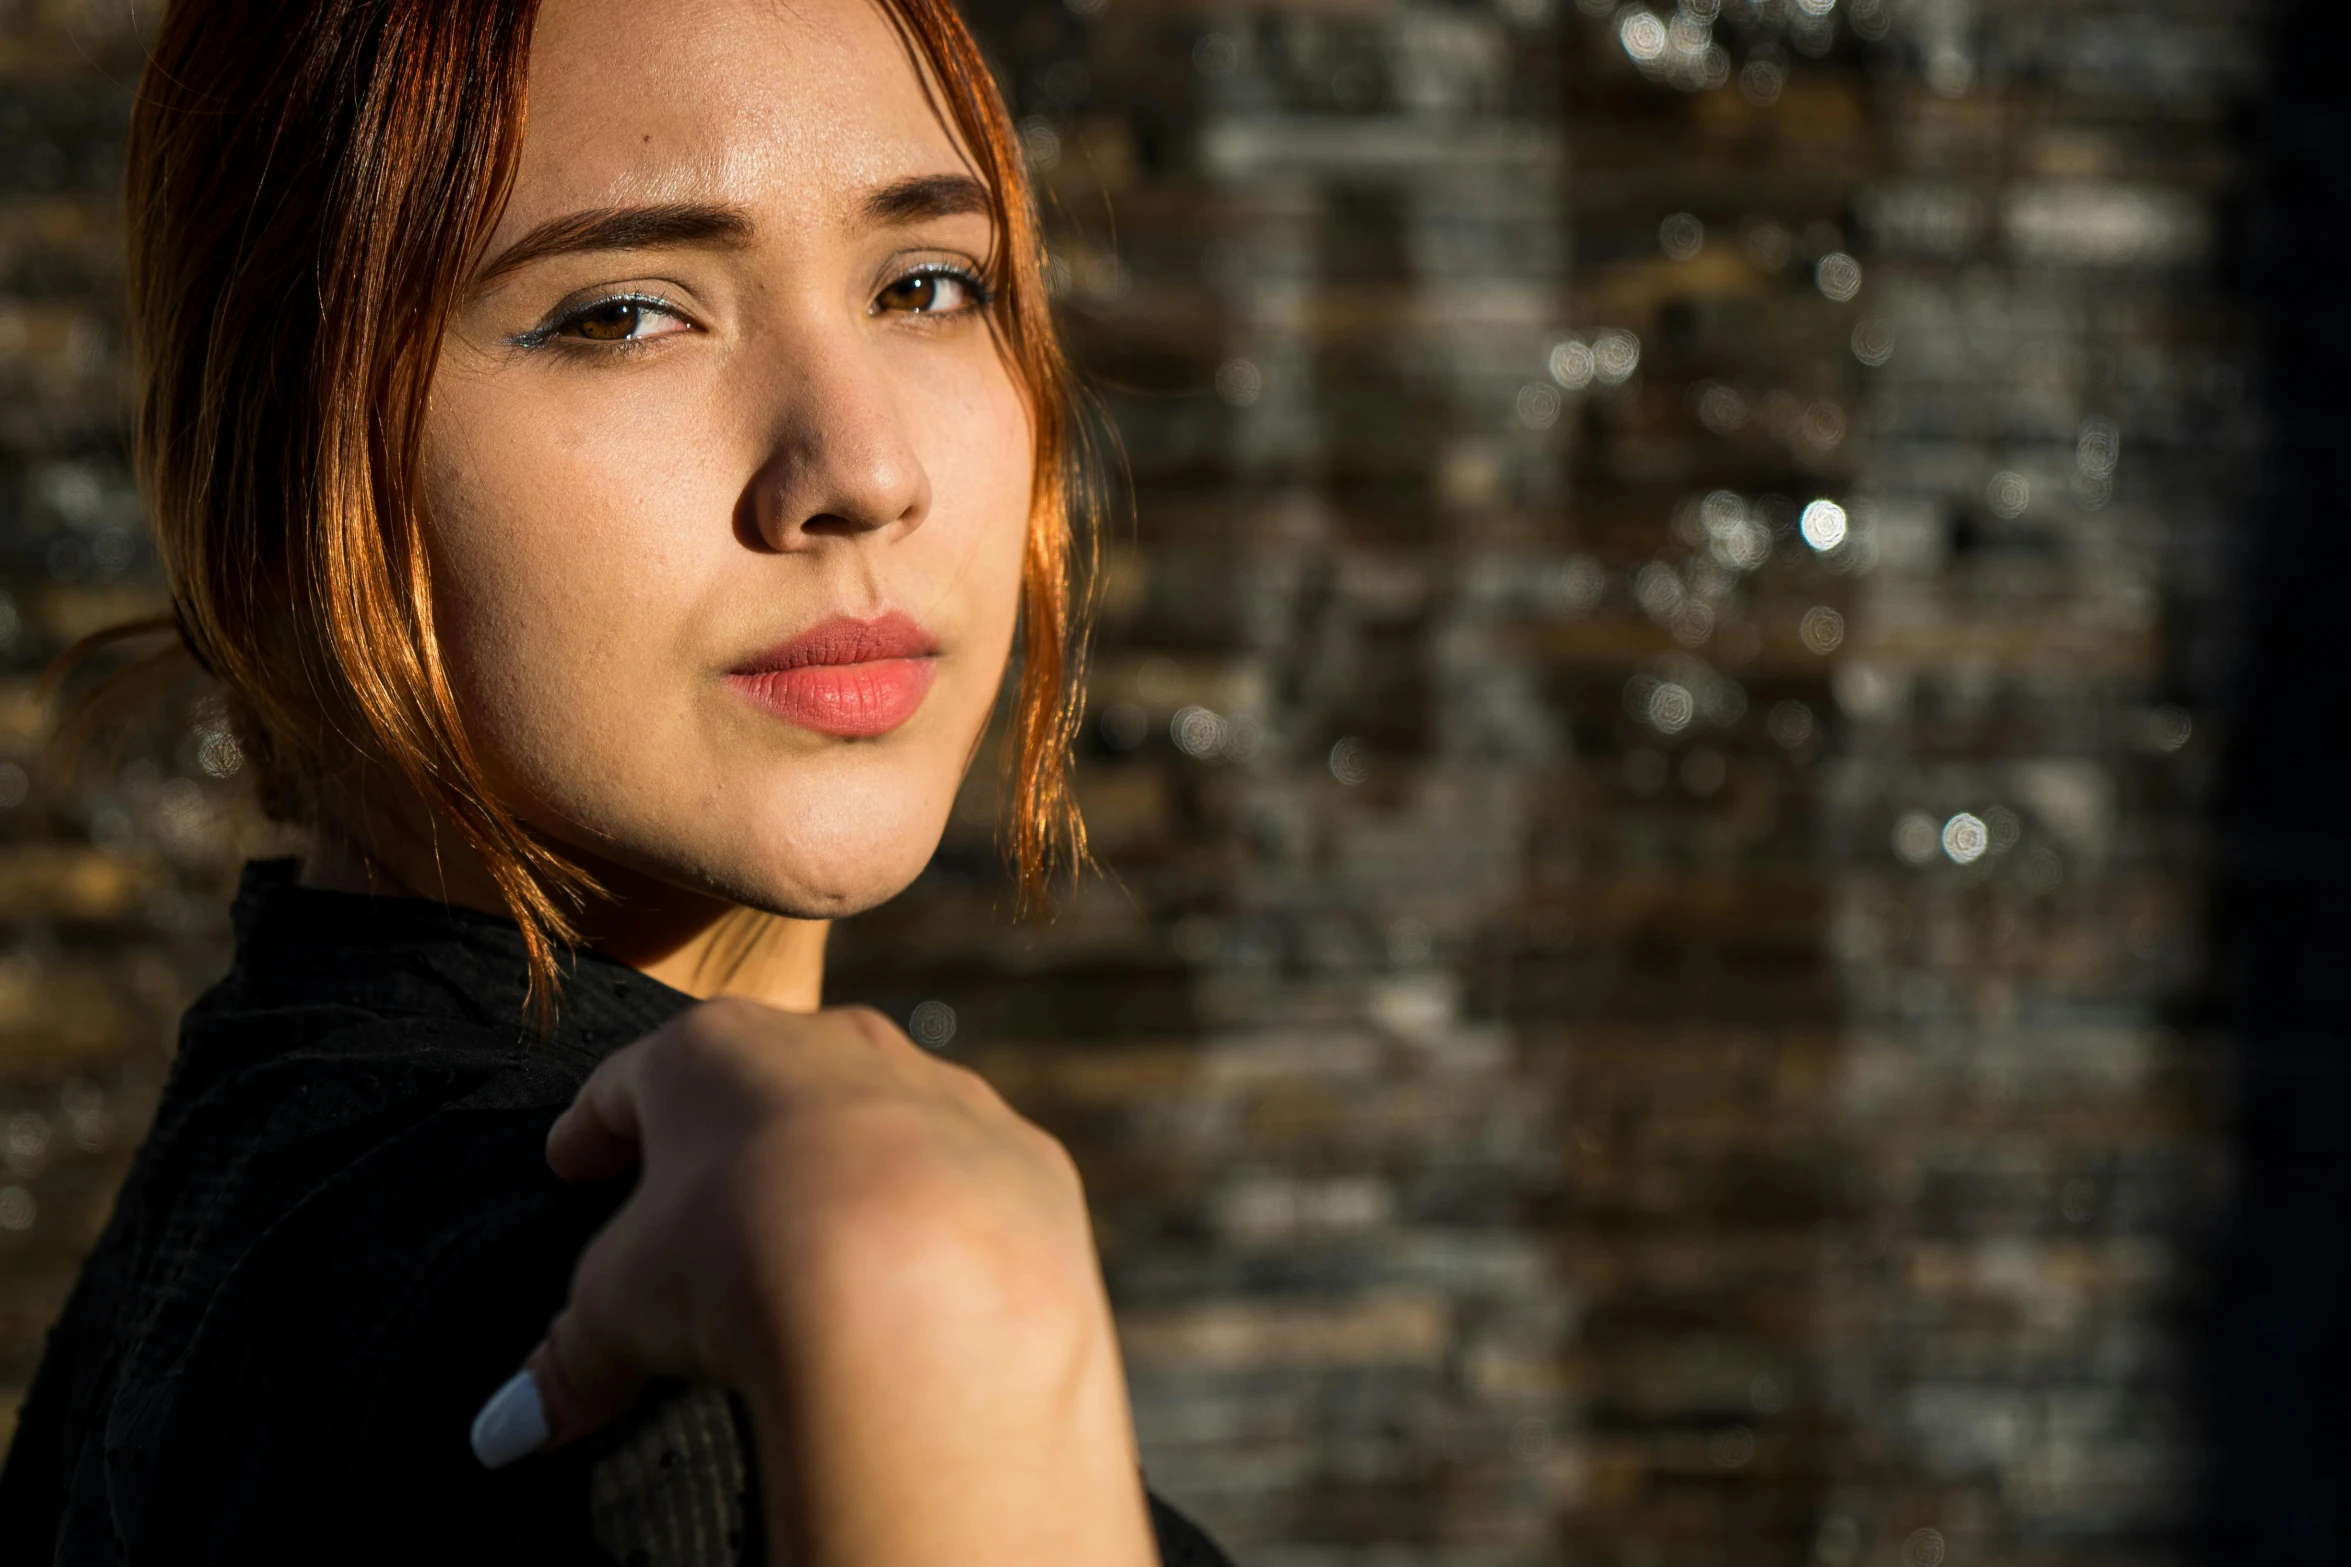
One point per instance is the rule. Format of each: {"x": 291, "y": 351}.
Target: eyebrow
{"x": 928, "y": 196}
{"x": 624, "y": 228}
{"x": 712, "y": 225}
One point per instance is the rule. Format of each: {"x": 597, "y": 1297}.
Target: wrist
{"x": 927, "y": 1403}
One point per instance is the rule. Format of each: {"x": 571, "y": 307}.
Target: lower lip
{"x": 847, "y": 700}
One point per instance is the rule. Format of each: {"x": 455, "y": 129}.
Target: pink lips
{"x": 844, "y": 677}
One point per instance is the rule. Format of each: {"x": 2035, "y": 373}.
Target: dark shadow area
{"x": 2282, "y": 1332}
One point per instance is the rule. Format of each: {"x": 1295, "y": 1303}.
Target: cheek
{"x": 979, "y": 452}
{"x": 560, "y": 557}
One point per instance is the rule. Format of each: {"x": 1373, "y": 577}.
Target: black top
{"x": 339, "y": 1238}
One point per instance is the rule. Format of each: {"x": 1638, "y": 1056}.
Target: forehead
{"x": 802, "y": 105}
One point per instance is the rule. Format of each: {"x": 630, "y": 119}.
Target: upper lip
{"x": 844, "y": 639}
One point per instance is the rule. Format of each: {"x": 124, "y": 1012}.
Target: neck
{"x": 702, "y": 945}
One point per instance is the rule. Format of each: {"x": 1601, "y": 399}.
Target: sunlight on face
{"x": 726, "y": 482}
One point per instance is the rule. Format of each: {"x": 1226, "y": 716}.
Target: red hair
{"x": 309, "y": 184}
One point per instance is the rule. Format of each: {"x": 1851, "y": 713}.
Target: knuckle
{"x": 615, "y": 1069}
{"x": 970, "y": 1086}
{"x": 1056, "y": 1156}
{"x": 868, "y": 1023}
{"x": 710, "y": 1024}
{"x": 714, "y": 1033}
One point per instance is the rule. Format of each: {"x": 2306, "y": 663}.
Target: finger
{"x": 596, "y": 1138}
{"x": 593, "y": 1362}
{"x": 585, "y": 1381}
{"x": 568, "y": 1388}
{"x": 512, "y": 1422}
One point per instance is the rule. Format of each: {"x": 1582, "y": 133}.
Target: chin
{"x": 814, "y": 838}
{"x": 827, "y": 869}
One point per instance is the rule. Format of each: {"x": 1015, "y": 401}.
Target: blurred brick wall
{"x": 1629, "y": 1021}
{"x": 112, "y": 885}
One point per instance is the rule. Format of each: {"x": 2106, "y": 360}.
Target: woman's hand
{"x": 893, "y": 1269}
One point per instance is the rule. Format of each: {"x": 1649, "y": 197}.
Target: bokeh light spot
{"x": 1681, "y": 236}
{"x": 1538, "y": 406}
{"x": 1616, "y": 354}
{"x": 1642, "y": 35}
{"x": 1837, "y": 276}
{"x": 1873, "y": 341}
{"x": 1791, "y": 724}
{"x": 1670, "y": 708}
{"x": 1239, "y": 382}
{"x": 932, "y": 1025}
{"x": 1822, "y": 629}
{"x": 1823, "y": 524}
{"x": 1915, "y": 838}
{"x": 1198, "y": 732}
{"x": 1571, "y": 363}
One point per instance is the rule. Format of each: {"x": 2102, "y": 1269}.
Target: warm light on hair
{"x": 309, "y": 184}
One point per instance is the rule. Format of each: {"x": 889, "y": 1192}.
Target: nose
{"x": 840, "y": 462}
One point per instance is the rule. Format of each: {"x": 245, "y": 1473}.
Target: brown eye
{"x": 930, "y": 294}
{"x": 624, "y": 318}
{"x": 919, "y": 293}
{"x": 614, "y": 321}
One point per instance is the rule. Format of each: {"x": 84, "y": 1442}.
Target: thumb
{"x": 570, "y": 1386}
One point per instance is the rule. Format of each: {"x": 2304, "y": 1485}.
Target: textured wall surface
{"x": 1648, "y": 741}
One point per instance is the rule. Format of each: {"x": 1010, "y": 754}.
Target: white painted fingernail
{"x": 512, "y": 1425}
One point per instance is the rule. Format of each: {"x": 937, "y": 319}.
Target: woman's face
{"x": 726, "y": 483}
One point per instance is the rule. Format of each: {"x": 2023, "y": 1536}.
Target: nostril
{"x": 834, "y": 523}
{"x": 802, "y": 496}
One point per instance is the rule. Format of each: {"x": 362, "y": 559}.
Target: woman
{"x": 609, "y": 526}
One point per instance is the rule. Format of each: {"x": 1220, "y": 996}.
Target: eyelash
{"x": 550, "y": 332}
{"x": 982, "y": 296}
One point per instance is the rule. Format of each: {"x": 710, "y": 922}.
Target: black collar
{"x": 300, "y": 946}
